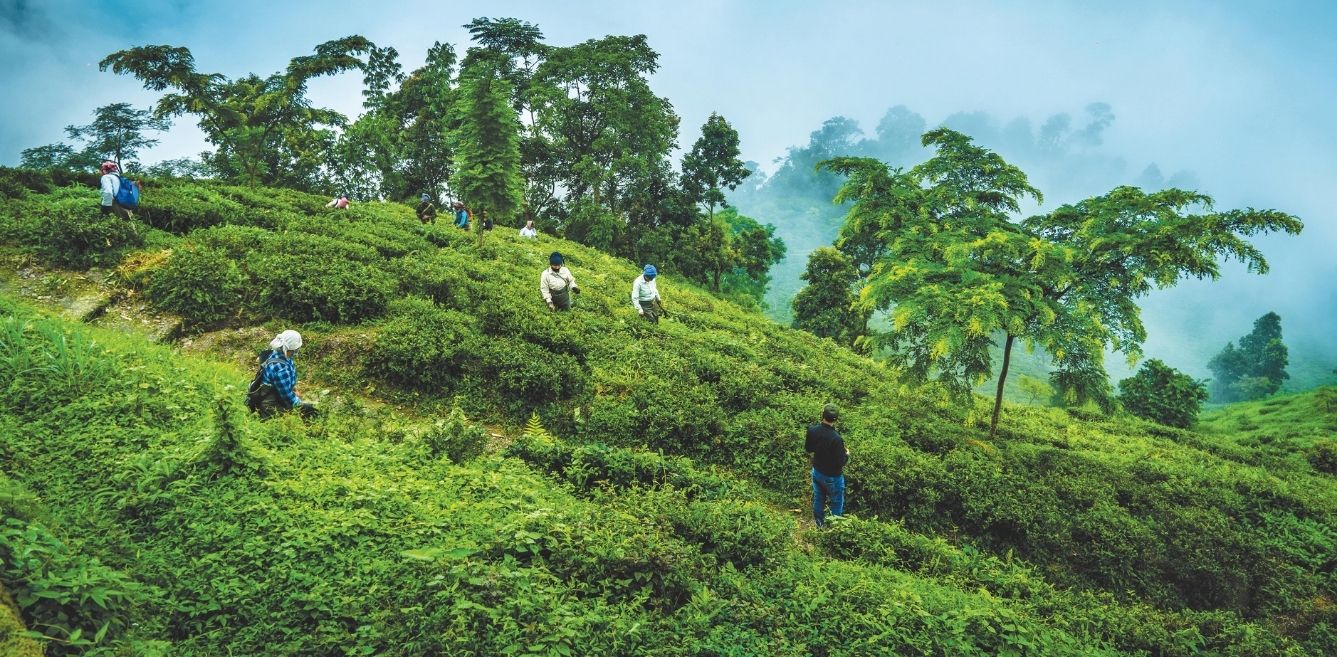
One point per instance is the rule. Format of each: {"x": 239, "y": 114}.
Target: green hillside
{"x": 487, "y": 477}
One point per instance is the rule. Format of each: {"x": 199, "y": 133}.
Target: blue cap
{"x": 425, "y": 197}
{"x": 649, "y": 270}
{"x": 555, "y": 258}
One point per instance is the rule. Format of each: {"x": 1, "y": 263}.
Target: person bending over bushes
{"x": 645, "y": 295}
{"x": 275, "y": 386}
{"x": 827, "y": 455}
{"x": 556, "y": 284}
{"x": 426, "y": 209}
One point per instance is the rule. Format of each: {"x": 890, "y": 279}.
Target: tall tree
{"x": 713, "y": 163}
{"x": 487, "y": 146}
{"x": 609, "y": 134}
{"x": 518, "y": 49}
{"x": 826, "y": 306}
{"x": 58, "y": 156}
{"x": 954, "y": 270}
{"x": 117, "y": 131}
{"x": 1255, "y": 369}
{"x": 265, "y": 129}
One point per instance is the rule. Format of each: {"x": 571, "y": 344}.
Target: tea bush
{"x": 201, "y": 285}
{"x": 422, "y": 346}
{"x": 302, "y": 287}
{"x": 455, "y": 438}
{"x": 72, "y": 232}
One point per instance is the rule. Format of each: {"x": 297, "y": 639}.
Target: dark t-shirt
{"x": 828, "y": 449}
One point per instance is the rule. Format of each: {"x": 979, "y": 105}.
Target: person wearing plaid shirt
{"x": 280, "y": 374}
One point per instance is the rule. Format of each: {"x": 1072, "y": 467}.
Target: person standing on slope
{"x": 556, "y": 284}
{"x": 461, "y": 215}
{"x": 645, "y": 295}
{"x": 827, "y": 455}
{"x": 111, "y": 186}
{"x": 426, "y": 209}
{"x": 529, "y": 230}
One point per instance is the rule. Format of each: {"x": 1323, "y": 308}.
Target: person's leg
{"x": 838, "y": 495}
{"x": 818, "y": 498}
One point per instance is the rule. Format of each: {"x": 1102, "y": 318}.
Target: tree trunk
{"x": 1002, "y": 377}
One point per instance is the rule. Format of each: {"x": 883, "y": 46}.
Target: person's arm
{"x": 570, "y": 279}
{"x": 109, "y": 186}
{"x": 543, "y": 287}
{"x": 636, "y": 298}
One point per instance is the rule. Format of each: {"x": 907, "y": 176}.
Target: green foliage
{"x": 487, "y": 147}
{"x": 202, "y": 285}
{"x": 944, "y": 252}
{"x": 1323, "y": 456}
{"x": 455, "y": 438}
{"x": 72, "y": 232}
{"x": 1256, "y": 369}
{"x": 422, "y": 346}
{"x": 826, "y": 306}
{"x": 73, "y": 601}
{"x": 1162, "y": 394}
{"x": 265, "y": 129}
{"x": 671, "y": 428}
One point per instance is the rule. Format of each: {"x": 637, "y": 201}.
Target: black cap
{"x": 830, "y": 413}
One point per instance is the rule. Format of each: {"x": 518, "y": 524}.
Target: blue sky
{"x": 1240, "y": 93}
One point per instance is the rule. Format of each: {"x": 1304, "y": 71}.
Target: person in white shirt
{"x": 645, "y": 296}
{"x": 556, "y": 284}
{"x": 529, "y": 230}
{"x": 111, "y": 186}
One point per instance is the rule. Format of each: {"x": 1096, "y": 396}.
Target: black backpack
{"x": 259, "y": 391}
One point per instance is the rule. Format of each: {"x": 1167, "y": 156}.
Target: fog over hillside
{"x": 1232, "y": 98}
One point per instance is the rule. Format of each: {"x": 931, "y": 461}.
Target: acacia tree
{"x": 954, "y": 270}
{"x": 713, "y": 163}
{"x": 486, "y": 142}
{"x": 117, "y": 131}
{"x": 265, "y": 129}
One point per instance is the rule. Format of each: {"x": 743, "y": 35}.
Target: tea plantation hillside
{"x": 1289, "y": 430}
{"x": 648, "y": 505}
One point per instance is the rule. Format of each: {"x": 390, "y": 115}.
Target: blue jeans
{"x": 827, "y": 489}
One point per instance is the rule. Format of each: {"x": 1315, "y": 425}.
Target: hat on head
{"x": 287, "y": 341}
{"x": 649, "y": 270}
{"x": 555, "y": 258}
{"x": 425, "y": 197}
{"x": 108, "y": 166}
{"x": 830, "y": 413}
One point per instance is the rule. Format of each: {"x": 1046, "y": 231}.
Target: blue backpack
{"x": 127, "y": 196}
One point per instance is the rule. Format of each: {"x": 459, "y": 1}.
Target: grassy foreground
{"x": 650, "y": 504}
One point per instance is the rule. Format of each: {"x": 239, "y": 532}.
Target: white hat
{"x": 286, "y": 341}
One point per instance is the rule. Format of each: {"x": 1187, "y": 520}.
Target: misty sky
{"x": 1242, "y": 94}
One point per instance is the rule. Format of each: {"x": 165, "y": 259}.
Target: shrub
{"x": 525, "y": 375}
{"x": 455, "y": 438}
{"x": 201, "y": 285}
{"x": 74, "y": 233}
{"x": 423, "y": 346}
{"x": 1162, "y": 394}
{"x": 1323, "y": 456}
{"x": 306, "y": 287}
{"x": 72, "y": 598}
